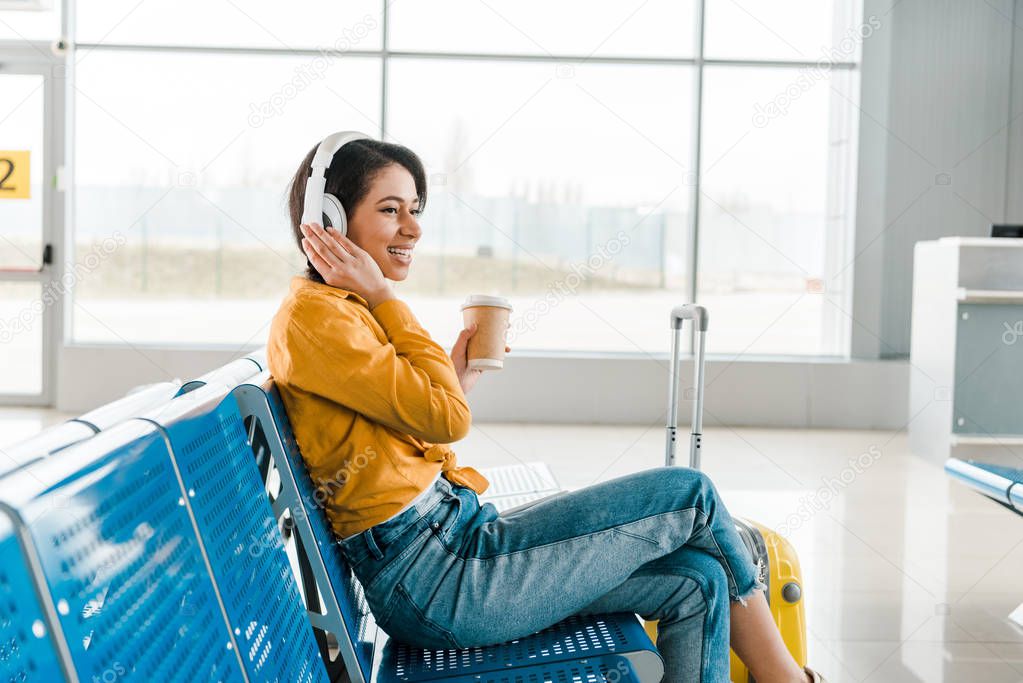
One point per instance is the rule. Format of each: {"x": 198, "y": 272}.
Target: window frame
{"x": 35, "y": 58}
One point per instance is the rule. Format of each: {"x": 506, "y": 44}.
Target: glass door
{"x": 28, "y": 302}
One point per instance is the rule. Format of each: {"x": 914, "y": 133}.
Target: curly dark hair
{"x": 349, "y": 176}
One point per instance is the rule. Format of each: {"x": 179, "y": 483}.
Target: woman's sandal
{"x": 814, "y": 676}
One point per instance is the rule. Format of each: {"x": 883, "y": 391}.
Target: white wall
{"x": 936, "y": 157}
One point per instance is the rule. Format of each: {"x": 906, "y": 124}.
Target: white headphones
{"x": 321, "y": 207}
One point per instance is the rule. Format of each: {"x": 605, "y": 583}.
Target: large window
{"x": 596, "y": 172}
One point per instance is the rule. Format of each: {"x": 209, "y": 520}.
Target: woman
{"x": 374, "y": 402}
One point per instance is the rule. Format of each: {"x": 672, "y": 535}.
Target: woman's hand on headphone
{"x": 344, "y": 264}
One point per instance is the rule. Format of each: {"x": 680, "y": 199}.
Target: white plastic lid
{"x": 486, "y": 300}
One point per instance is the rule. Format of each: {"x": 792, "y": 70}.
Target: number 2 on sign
{"x": 14, "y": 175}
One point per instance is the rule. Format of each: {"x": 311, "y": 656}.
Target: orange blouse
{"x": 373, "y": 401}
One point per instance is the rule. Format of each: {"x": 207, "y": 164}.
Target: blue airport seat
{"x": 239, "y": 533}
{"x": 227, "y": 376}
{"x": 344, "y": 614}
{"x": 75, "y": 430}
{"x": 259, "y": 358}
{"x": 603, "y": 669}
{"x": 132, "y": 405}
{"x": 1016, "y": 497}
{"x": 116, "y": 562}
{"x": 46, "y": 442}
{"x": 578, "y": 649}
{"x": 1003, "y": 484}
{"x": 28, "y": 649}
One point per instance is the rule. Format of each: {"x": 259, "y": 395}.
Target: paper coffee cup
{"x": 491, "y": 313}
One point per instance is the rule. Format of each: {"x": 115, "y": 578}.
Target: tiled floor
{"x": 908, "y": 576}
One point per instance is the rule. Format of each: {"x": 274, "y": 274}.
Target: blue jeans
{"x": 449, "y": 572}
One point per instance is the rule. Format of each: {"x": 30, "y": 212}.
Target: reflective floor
{"x": 908, "y": 576}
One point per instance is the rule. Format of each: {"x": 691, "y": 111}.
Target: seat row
{"x": 174, "y": 535}
{"x": 1000, "y": 482}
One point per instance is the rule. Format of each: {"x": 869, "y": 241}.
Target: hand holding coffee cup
{"x": 490, "y": 314}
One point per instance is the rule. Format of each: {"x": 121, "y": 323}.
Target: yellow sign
{"x": 14, "y": 174}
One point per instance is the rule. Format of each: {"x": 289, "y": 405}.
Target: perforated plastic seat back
{"x": 358, "y": 621}
{"x": 27, "y": 649}
{"x": 242, "y": 540}
{"x": 121, "y": 560}
{"x": 600, "y": 670}
{"x": 601, "y": 640}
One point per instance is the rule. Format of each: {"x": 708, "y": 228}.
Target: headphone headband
{"x": 332, "y": 143}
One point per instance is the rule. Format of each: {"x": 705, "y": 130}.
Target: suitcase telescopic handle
{"x": 698, "y": 314}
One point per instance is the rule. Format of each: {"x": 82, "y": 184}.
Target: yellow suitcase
{"x": 779, "y": 565}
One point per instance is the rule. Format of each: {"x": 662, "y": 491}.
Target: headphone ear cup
{"x": 334, "y": 214}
